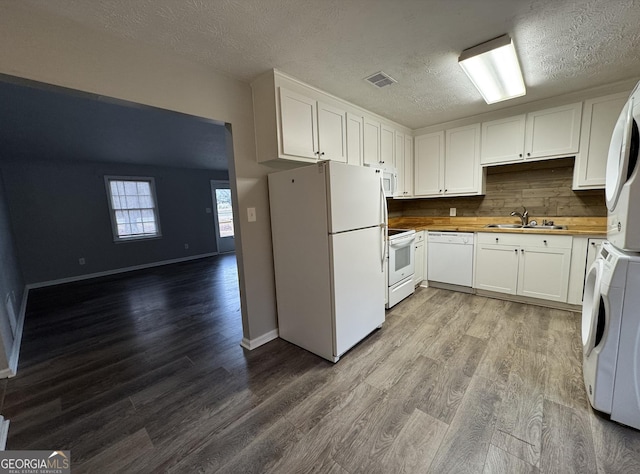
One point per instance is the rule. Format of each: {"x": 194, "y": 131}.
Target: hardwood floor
{"x": 144, "y": 373}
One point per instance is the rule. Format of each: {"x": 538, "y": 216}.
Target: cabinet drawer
{"x": 526, "y": 240}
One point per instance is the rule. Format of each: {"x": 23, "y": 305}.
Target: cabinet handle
{"x": 520, "y": 155}
{"x": 440, "y": 190}
{"x": 497, "y": 241}
{"x": 593, "y": 243}
{"x": 545, "y": 242}
{"x": 322, "y": 154}
{"x": 521, "y": 250}
{"x": 515, "y": 250}
{"x": 528, "y": 154}
{"x": 446, "y": 190}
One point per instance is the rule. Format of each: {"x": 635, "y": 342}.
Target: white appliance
{"x": 328, "y": 224}
{"x": 450, "y": 256}
{"x": 611, "y": 335}
{"x": 401, "y": 265}
{"x": 622, "y": 189}
{"x": 389, "y": 182}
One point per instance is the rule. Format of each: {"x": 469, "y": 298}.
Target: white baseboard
{"x": 88, "y": 276}
{"x": 251, "y": 344}
{"x": 17, "y": 340}
{"x": 4, "y": 432}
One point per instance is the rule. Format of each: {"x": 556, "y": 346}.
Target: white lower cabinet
{"x": 418, "y": 276}
{"x": 533, "y": 266}
{"x": 584, "y": 252}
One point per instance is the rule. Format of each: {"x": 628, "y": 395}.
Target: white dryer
{"x": 622, "y": 189}
{"x": 611, "y": 335}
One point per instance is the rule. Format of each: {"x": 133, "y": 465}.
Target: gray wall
{"x": 60, "y": 213}
{"x": 11, "y": 281}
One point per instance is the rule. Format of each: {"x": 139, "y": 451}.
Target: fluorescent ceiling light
{"x": 494, "y": 69}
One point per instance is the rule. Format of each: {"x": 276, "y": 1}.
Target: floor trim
{"x": 88, "y": 276}
{"x": 251, "y": 344}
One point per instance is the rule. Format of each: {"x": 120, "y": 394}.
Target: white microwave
{"x": 389, "y": 182}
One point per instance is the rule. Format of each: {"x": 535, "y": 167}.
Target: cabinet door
{"x": 298, "y": 125}
{"x": 332, "y": 133}
{"x": 496, "y": 268}
{"x": 371, "y": 142}
{"x": 503, "y": 140}
{"x": 400, "y": 169}
{"x": 387, "y": 148}
{"x": 408, "y": 166}
{"x": 593, "y": 249}
{"x": 429, "y": 164}
{"x": 418, "y": 276}
{"x": 544, "y": 273}
{"x": 552, "y": 132}
{"x": 598, "y": 121}
{"x": 355, "y": 126}
{"x": 462, "y": 160}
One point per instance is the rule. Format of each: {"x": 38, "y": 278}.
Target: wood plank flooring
{"x": 143, "y": 372}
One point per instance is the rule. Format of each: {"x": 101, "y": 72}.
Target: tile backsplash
{"x": 543, "y": 187}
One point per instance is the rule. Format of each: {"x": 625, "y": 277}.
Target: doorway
{"x": 223, "y": 216}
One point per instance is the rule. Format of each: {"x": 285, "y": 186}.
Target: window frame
{"x": 112, "y": 211}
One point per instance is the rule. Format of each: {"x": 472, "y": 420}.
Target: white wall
{"x": 49, "y": 49}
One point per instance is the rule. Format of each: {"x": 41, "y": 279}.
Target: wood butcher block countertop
{"x": 591, "y": 226}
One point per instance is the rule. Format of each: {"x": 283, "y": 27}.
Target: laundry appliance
{"x": 611, "y": 335}
{"x": 622, "y": 190}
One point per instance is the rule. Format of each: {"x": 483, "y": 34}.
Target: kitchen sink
{"x": 520, "y": 226}
{"x": 545, "y": 227}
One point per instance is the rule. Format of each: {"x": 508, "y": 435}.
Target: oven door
{"x": 401, "y": 258}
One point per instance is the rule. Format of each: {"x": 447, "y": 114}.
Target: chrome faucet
{"x": 524, "y": 217}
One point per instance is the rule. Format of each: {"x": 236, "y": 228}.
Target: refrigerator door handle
{"x": 383, "y": 225}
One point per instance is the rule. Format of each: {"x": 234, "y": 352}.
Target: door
{"x": 332, "y": 133}
{"x": 358, "y": 286}
{"x": 462, "y": 160}
{"x": 502, "y": 140}
{"x": 497, "y": 268}
{"x": 298, "y": 120}
{"x": 356, "y": 198}
{"x": 553, "y": 131}
{"x": 371, "y": 142}
{"x": 429, "y": 164}
{"x": 544, "y": 273}
{"x": 223, "y": 216}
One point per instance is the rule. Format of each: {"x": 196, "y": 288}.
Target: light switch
{"x": 251, "y": 214}
{"x": 452, "y": 211}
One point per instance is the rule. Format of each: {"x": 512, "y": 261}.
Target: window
{"x": 132, "y": 203}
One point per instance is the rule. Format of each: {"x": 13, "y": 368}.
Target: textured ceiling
{"x": 563, "y": 45}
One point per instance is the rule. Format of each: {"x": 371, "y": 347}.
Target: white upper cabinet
{"x": 448, "y": 163}
{"x": 371, "y": 142}
{"x": 503, "y": 140}
{"x": 404, "y": 165}
{"x": 553, "y": 132}
{"x": 598, "y": 121}
{"x": 387, "y": 147}
{"x": 299, "y": 127}
{"x": 296, "y": 122}
{"x": 311, "y": 129}
{"x": 548, "y": 133}
{"x": 332, "y": 133}
{"x": 355, "y": 129}
{"x": 429, "y": 165}
{"x": 462, "y": 172}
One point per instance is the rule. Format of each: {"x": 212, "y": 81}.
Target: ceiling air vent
{"x": 380, "y": 79}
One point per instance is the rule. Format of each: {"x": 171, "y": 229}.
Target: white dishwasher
{"x": 450, "y": 257}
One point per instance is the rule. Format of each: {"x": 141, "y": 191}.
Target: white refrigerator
{"x": 328, "y": 225}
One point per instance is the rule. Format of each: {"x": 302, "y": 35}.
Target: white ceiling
{"x": 563, "y": 45}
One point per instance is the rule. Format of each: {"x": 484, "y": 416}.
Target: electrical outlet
{"x": 82, "y": 261}
{"x": 186, "y": 246}
{"x": 452, "y": 211}
{"x": 251, "y": 214}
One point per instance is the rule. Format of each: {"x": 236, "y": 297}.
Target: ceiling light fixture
{"x": 494, "y": 69}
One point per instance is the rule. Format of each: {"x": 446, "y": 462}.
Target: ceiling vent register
{"x": 380, "y": 79}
